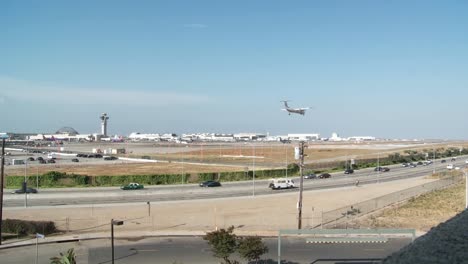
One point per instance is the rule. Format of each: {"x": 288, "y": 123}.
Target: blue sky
{"x": 393, "y": 69}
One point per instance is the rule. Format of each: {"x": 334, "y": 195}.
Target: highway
{"x": 111, "y": 195}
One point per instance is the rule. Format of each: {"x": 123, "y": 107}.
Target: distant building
{"x": 303, "y": 137}
{"x": 335, "y": 137}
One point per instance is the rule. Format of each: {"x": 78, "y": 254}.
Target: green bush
{"x": 24, "y": 227}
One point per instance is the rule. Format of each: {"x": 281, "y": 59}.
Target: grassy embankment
{"x": 421, "y": 213}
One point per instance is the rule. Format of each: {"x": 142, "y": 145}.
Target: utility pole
{"x": 3, "y": 137}
{"x": 301, "y": 170}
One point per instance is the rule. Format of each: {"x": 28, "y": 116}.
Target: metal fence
{"x": 343, "y": 214}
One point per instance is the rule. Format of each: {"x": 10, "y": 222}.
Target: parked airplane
{"x": 290, "y": 110}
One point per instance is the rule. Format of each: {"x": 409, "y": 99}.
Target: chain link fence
{"x": 333, "y": 218}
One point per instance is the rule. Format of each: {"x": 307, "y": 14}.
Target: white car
{"x": 466, "y": 161}
{"x": 450, "y": 167}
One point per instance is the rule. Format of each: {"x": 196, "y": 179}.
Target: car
{"x": 40, "y": 158}
{"x": 132, "y": 186}
{"x": 466, "y": 161}
{"x": 405, "y": 165}
{"x": 443, "y": 161}
{"x": 98, "y": 156}
{"x": 50, "y": 161}
{"x": 30, "y": 159}
{"x": 453, "y": 159}
{"x": 79, "y": 155}
{"x": 385, "y": 169}
{"x": 210, "y": 184}
{"x": 348, "y": 171}
{"x": 146, "y": 157}
{"x": 420, "y": 163}
{"x": 42, "y": 161}
{"x": 28, "y": 190}
{"x": 75, "y": 160}
{"x": 450, "y": 167}
{"x": 110, "y": 158}
{"x": 324, "y": 175}
{"x": 381, "y": 169}
{"x": 310, "y": 176}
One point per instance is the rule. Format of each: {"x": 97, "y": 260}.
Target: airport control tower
{"x": 104, "y": 119}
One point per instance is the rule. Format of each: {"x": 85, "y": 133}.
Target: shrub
{"x": 25, "y": 227}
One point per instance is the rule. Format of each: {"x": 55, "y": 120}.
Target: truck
{"x": 17, "y": 162}
{"x": 281, "y": 183}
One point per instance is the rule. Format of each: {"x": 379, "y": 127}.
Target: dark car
{"x": 75, "y": 160}
{"x": 453, "y": 159}
{"x": 30, "y": 159}
{"x": 443, "y": 161}
{"x": 98, "y": 156}
{"x": 348, "y": 171}
{"x": 28, "y": 190}
{"x": 310, "y": 176}
{"x": 210, "y": 184}
{"x": 40, "y": 158}
{"x": 42, "y": 161}
{"x": 50, "y": 161}
{"x": 381, "y": 169}
{"x": 324, "y": 175}
{"x": 110, "y": 158}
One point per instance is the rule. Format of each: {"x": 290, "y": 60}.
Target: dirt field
{"x": 220, "y": 157}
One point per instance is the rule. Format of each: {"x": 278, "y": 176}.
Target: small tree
{"x": 68, "y": 258}
{"x": 223, "y": 243}
{"x": 251, "y": 248}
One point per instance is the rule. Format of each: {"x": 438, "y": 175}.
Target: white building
{"x": 303, "y": 137}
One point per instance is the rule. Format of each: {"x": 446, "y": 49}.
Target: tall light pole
{"x": 433, "y": 160}
{"x": 253, "y": 172}
{"x": 378, "y": 167}
{"x": 466, "y": 187}
{"x": 25, "y": 185}
{"x": 114, "y": 222}
{"x": 3, "y": 136}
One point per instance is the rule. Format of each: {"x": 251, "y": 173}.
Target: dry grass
{"x": 421, "y": 213}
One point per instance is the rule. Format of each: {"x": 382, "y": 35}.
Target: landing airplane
{"x": 290, "y": 110}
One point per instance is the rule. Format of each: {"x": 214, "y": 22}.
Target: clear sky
{"x": 393, "y": 69}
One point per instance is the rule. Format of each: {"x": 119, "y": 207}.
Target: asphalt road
{"x": 88, "y": 196}
{"x": 196, "y": 250}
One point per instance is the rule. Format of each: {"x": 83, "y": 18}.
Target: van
{"x": 276, "y": 184}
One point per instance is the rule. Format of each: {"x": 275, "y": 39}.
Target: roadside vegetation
{"x": 17, "y": 228}
{"x": 421, "y": 213}
{"x": 224, "y": 243}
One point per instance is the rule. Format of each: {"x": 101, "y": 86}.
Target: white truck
{"x": 280, "y": 183}
{"x": 17, "y": 162}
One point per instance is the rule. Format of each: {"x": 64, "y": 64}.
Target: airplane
{"x": 290, "y": 110}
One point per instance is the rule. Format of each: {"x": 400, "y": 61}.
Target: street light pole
{"x": 466, "y": 188}
{"x": 1, "y": 187}
{"x": 25, "y": 185}
{"x": 114, "y": 222}
{"x": 253, "y": 172}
